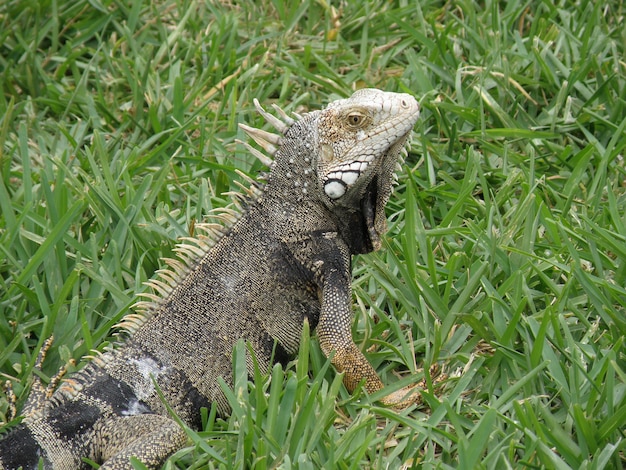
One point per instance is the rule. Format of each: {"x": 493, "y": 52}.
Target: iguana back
{"x": 285, "y": 258}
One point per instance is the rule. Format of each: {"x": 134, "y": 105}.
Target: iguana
{"x": 285, "y": 259}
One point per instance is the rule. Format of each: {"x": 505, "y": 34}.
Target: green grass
{"x": 506, "y": 257}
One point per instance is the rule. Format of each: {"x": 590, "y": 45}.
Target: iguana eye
{"x": 356, "y": 119}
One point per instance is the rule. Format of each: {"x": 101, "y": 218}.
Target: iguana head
{"x": 343, "y": 157}
{"x": 360, "y": 140}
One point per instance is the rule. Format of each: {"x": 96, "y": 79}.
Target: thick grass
{"x": 506, "y": 257}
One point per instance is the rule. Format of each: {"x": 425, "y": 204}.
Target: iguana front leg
{"x": 335, "y": 324}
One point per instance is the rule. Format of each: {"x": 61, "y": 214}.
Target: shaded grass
{"x": 505, "y": 259}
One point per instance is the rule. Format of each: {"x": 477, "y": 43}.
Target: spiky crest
{"x": 189, "y": 252}
{"x": 193, "y": 248}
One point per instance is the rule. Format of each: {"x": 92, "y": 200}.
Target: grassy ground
{"x": 506, "y": 258}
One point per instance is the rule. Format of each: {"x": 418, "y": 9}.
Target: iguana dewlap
{"x": 285, "y": 259}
